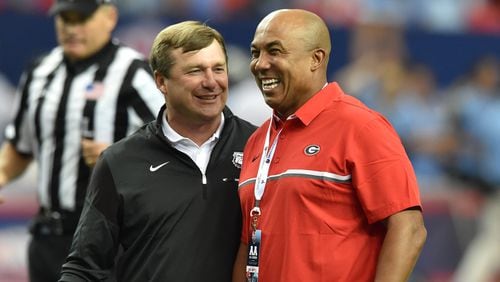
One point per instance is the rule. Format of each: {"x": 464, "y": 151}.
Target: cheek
{"x": 252, "y": 67}
{"x": 221, "y": 78}
{"x": 180, "y": 88}
{"x": 224, "y": 81}
{"x": 224, "y": 99}
{"x": 59, "y": 31}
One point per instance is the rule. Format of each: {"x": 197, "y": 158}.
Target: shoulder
{"x": 129, "y": 66}
{"x": 129, "y": 54}
{"x": 361, "y": 126}
{"x": 353, "y": 113}
{"x": 45, "y": 64}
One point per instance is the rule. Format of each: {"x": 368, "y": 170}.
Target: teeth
{"x": 269, "y": 81}
{"x": 208, "y": 97}
{"x": 268, "y": 84}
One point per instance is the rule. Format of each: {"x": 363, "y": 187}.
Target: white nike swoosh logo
{"x": 155, "y": 168}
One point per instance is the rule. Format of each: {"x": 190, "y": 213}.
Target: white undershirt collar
{"x": 199, "y": 154}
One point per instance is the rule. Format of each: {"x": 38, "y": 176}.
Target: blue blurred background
{"x": 431, "y": 66}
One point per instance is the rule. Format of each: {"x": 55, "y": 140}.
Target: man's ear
{"x": 318, "y": 58}
{"x": 161, "y": 82}
{"x": 111, "y": 17}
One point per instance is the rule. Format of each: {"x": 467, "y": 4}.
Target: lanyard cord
{"x": 263, "y": 172}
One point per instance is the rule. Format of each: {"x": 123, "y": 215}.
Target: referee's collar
{"x": 79, "y": 66}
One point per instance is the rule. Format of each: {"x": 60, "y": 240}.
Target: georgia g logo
{"x": 311, "y": 150}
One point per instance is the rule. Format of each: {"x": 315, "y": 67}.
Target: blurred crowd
{"x": 482, "y": 16}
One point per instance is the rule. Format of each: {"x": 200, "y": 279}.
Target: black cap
{"x": 85, "y": 7}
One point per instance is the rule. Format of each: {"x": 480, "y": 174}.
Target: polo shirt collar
{"x": 318, "y": 102}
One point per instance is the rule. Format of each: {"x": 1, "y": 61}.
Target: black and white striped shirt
{"x": 105, "y": 97}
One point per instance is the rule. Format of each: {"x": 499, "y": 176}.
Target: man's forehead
{"x": 272, "y": 36}
{"x": 274, "y": 29}
{"x": 215, "y": 50}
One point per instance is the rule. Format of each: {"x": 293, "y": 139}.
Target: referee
{"x": 87, "y": 93}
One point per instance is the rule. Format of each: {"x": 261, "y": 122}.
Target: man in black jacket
{"x": 162, "y": 204}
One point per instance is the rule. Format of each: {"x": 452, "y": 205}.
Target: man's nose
{"x": 209, "y": 79}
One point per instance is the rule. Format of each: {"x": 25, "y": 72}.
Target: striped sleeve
{"x": 17, "y": 131}
{"x": 142, "y": 100}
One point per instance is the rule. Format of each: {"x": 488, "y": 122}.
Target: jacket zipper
{"x": 204, "y": 185}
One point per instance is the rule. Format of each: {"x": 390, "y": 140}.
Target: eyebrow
{"x": 203, "y": 66}
{"x": 269, "y": 44}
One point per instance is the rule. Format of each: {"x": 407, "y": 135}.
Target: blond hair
{"x": 188, "y": 35}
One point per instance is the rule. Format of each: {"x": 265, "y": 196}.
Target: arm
{"x": 239, "y": 270}
{"x": 12, "y": 164}
{"x": 95, "y": 242}
{"x": 402, "y": 245}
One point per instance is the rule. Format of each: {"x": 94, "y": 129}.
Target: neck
{"x": 289, "y": 109}
{"x": 281, "y": 116}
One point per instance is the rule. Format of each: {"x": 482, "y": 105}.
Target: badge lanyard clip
{"x": 252, "y": 268}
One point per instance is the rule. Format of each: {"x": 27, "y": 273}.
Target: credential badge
{"x": 237, "y": 159}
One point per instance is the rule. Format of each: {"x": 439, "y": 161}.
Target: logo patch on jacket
{"x": 311, "y": 150}
{"x": 238, "y": 159}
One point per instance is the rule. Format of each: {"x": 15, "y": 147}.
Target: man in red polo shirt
{"x": 327, "y": 190}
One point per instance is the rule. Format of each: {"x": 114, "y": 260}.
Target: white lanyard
{"x": 252, "y": 268}
{"x": 265, "y": 164}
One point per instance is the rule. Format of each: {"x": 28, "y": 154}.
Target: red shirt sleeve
{"x": 381, "y": 171}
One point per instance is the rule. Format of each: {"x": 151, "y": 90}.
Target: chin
{"x": 75, "y": 52}
{"x": 73, "y": 56}
{"x": 270, "y": 100}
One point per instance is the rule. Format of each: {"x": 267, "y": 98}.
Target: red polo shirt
{"x": 338, "y": 169}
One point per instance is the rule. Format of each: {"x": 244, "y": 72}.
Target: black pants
{"x": 46, "y": 255}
